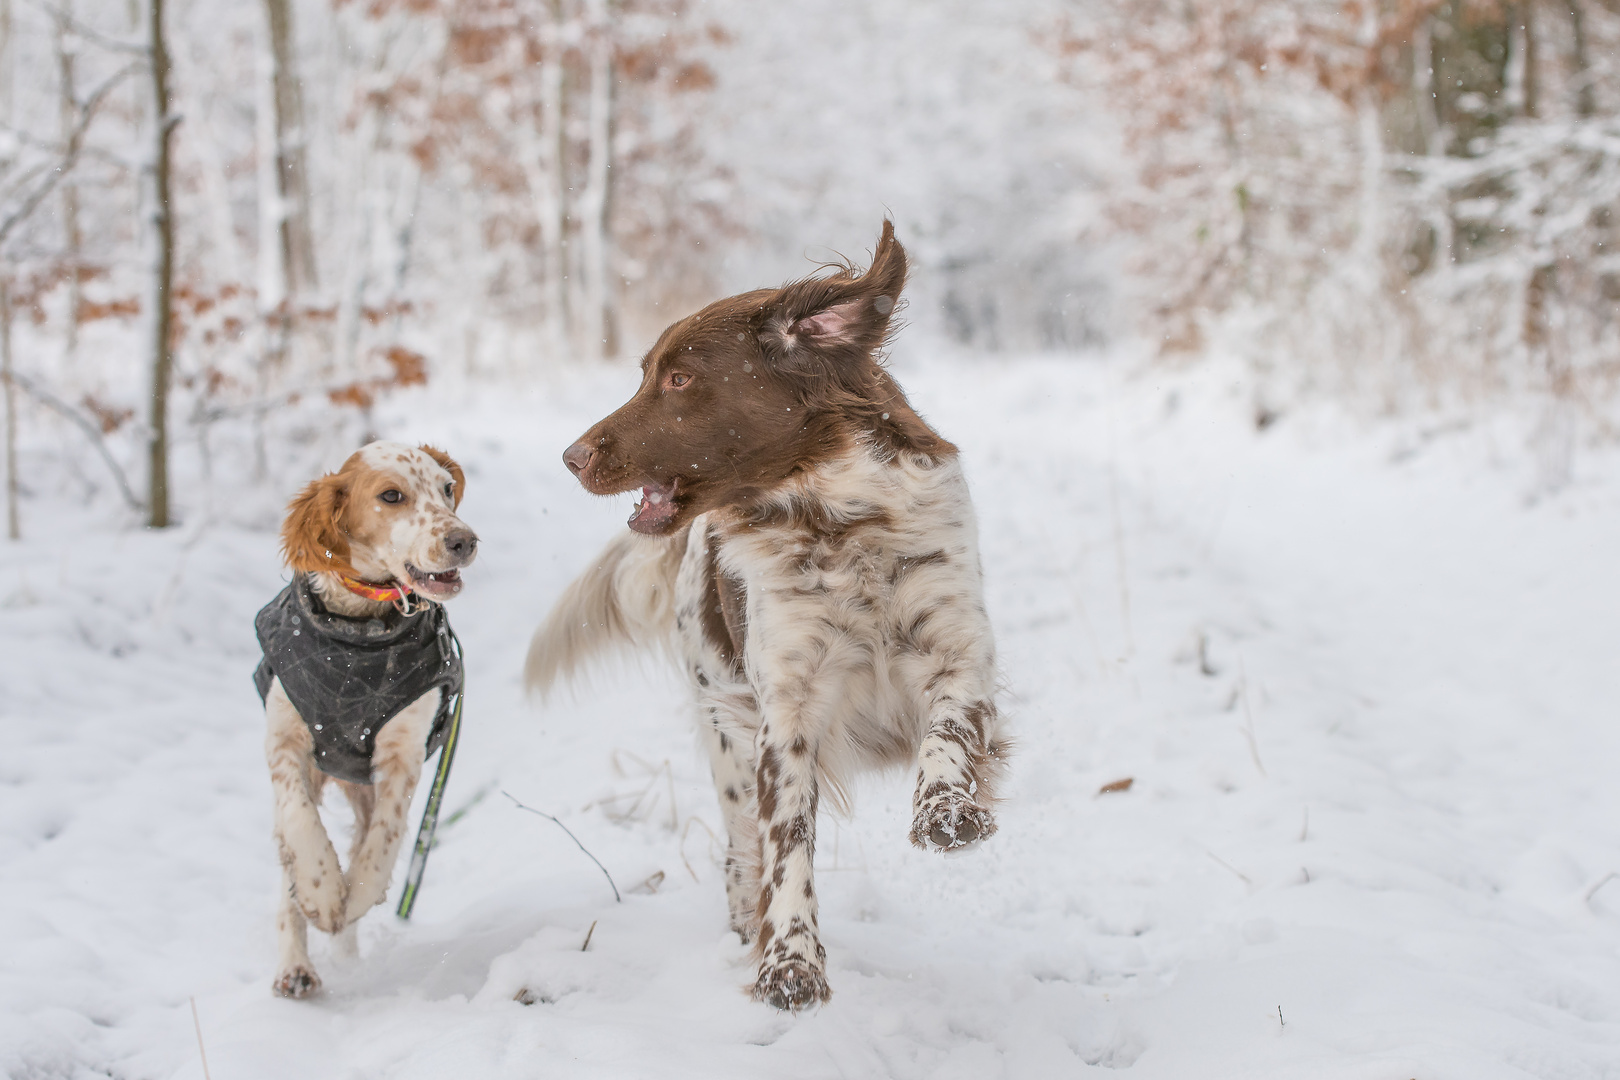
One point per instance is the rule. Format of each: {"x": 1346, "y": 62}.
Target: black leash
{"x": 430, "y": 813}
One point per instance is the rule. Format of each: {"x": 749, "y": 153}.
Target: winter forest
{"x": 1282, "y": 342}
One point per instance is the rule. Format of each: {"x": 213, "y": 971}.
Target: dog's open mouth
{"x": 435, "y": 586}
{"x": 656, "y": 509}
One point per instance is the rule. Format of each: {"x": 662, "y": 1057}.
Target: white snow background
{"x": 1365, "y": 685}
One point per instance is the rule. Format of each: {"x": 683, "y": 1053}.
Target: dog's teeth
{"x": 655, "y": 497}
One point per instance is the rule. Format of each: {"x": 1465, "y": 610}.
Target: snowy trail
{"x": 1373, "y": 798}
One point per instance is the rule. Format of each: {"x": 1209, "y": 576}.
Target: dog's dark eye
{"x": 390, "y": 496}
{"x": 679, "y": 379}
{"x": 449, "y": 490}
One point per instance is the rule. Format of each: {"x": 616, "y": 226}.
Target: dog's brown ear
{"x": 448, "y": 464}
{"x": 842, "y": 313}
{"x": 312, "y": 537}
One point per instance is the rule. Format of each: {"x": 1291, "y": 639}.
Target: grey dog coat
{"x": 347, "y": 677}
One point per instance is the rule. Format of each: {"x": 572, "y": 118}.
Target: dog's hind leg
{"x": 362, "y": 799}
{"x": 731, "y": 760}
{"x": 316, "y": 880}
{"x": 396, "y": 765}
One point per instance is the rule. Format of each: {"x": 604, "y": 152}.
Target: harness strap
{"x": 430, "y": 813}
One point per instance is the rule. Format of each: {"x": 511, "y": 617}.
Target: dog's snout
{"x": 578, "y": 456}
{"x": 461, "y": 544}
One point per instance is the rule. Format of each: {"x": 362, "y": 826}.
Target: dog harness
{"x": 347, "y": 677}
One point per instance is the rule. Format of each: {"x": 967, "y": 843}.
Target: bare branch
{"x": 65, "y": 18}
{"x": 84, "y": 424}
{"x": 87, "y": 113}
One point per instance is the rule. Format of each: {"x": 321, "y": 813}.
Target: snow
{"x": 1360, "y": 673}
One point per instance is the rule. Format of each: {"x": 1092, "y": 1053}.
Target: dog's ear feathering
{"x": 843, "y": 311}
{"x": 312, "y": 536}
{"x": 448, "y": 464}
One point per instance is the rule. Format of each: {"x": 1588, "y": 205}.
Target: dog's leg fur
{"x": 959, "y": 760}
{"x": 306, "y": 851}
{"x": 733, "y": 767}
{"x": 295, "y": 975}
{"x": 396, "y": 766}
{"x": 362, "y": 798}
{"x": 792, "y": 962}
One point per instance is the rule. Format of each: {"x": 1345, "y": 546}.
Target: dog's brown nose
{"x": 578, "y": 456}
{"x": 461, "y": 544}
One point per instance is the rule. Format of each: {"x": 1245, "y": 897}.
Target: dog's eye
{"x": 390, "y": 496}
{"x": 449, "y": 490}
{"x": 679, "y": 379}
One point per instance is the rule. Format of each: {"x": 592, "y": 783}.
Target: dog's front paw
{"x": 791, "y": 986}
{"x": 950, "y": 821}
{"x": 298, "y": 981}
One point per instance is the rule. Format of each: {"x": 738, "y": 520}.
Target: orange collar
{"x": 395, "y": 592}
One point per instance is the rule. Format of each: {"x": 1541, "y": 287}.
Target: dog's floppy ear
{"x": 843, "y": 313}
{"x": 448, "y": 464}
{"x": 312, "y": 537}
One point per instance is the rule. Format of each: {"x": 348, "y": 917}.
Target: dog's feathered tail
{"x": 626, "y": 599}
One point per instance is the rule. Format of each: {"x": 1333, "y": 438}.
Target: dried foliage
{"x": 1390, "y": 194}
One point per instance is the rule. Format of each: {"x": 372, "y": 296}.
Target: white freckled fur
{"x": 875, "y": 649}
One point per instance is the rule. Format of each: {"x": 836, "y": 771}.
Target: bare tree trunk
{"x": 73, "y": 241}
{"x": 163, "y": 223}
{"x": 593, "y": 203}
{"x": 1584, "y": 103}
{"x": 13, "y": 525}
{"x": 551, "y": 187}
{"x": 6, "y": 50}
{"x": 1520, "y": 76}
{"x": 1434, "y": 143}
{"x": 292, "y": 178}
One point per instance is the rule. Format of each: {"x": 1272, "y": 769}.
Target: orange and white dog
{"x": 357, "y": 677}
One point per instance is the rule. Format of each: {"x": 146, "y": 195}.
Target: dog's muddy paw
{"x": 297, "y": 982}
{"x": 950, "y": 822}
{"x": 791, "y": 986}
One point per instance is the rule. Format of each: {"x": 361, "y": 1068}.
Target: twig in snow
{"x": 616, "y": 897}
{"x": 713, "y": 840}
{"x": 1229, "y": 866}
{"x": 588, "y": 934}
{"x": 1280, "y": 1021}
{"x": 1602, "y": 881}
{"x": 196, "y": 1023}
{"x": 1248, "y": 714}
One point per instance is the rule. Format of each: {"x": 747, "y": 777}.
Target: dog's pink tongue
{"x": 655, "y": 510}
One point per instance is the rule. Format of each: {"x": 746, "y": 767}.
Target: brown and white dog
{"x": 381, "y": 531}
{"x": 806, "y": 547}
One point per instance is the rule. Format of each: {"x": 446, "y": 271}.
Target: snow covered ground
{"x": 1365, "y": 687}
